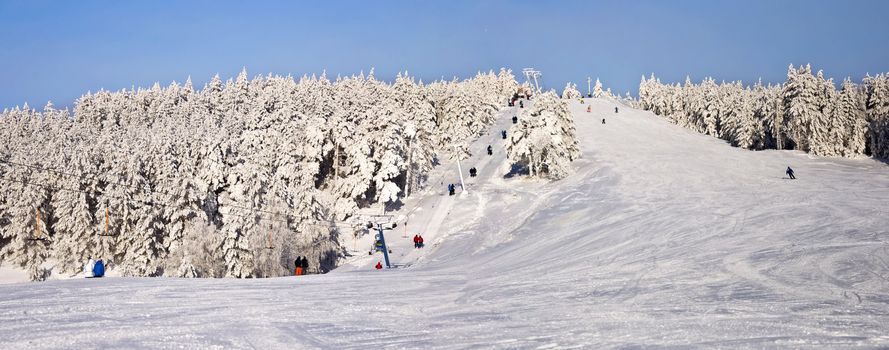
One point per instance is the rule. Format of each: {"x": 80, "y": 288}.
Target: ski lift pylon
{"x": 107, "y": 223}
{"x": 37, "y": 236}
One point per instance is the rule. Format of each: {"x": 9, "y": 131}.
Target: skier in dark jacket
{"x": 790, "y": 173}
{"x": 515, "y": 119}
{"x": 490, "y": 151}
{"x": 615, "y": 109}
{"x": 521, "y": 105}
{"x": 603, "y": 120}
{"x": 450, "y": 189}
{"x": 298, "y": 266}
{"x": 421, "y": 242}
{"x": 503, "y": 134}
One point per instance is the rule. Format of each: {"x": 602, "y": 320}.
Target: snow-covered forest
{"x": 237, "y": 178}
{"x": 804, "y": 113}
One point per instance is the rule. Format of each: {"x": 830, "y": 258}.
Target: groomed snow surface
{"x": 662, "y": 238}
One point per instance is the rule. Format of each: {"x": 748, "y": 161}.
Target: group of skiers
{"x": 450, "y": 189}
{"x": 301, "y": 265}
{"x": 94, "y": 268}
{"x": 418, "y": 241}
{"x": 473, "y": 172}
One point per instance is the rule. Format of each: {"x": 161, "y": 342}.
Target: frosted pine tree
{"x": 570, "y": 92}
{"x": 544, "y": 141}
{"x": 597, "y": 89}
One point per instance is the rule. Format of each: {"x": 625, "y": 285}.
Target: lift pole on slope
{"x": 460, "y": 169}
{"x": 380, "y": 223}
{"x": 589, "y": 92}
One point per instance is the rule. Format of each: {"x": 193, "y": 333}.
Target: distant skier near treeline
{"x": 521, "y": 105}
{"x": 503, "y": 134}
{"x": 298, "y": 266}
{"x": 473, "y": 172}
{"x": 416, "y": 241}
{"x": 615, "y": 109}
{"x": 305, "y": 265}
{"x": 603, "y": 120}
{"x": 515, "y": 119}
{"x": 790, "y": 173}
{"x": 490, "y": 151}
{"x": 450, "y": 189}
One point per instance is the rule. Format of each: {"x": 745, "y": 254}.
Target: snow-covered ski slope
{"x": 662, "y": 237}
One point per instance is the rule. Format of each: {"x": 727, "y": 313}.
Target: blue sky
{"x": 58, "y": 50}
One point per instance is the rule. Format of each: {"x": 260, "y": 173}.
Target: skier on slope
{"x": 790, "y": 173}
{"x": 490, "y": 151}
{"x": 420, "y": 244}
{"x": 603, "y": 120}
{"x": 298, "y": 266}
{"x": 615, "y": 109}
{"x": 450, "y": 189}
{"x": 416, "y": 241}
{"x": 304, "y": 265}
{"x": 515, "y": 119}
{"x": 521, "y": 105}
{"x": 503, "y": 134}
{"x": 378, "y": 266}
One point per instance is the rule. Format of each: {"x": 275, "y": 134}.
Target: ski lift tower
{"x": 532, "y": 74}
{"x": 380, "y": 223}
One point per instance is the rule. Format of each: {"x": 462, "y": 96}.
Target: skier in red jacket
{"x": 420, "y": 241}
{"x": 416, "y": 241}
{"x": 379, "y": 266}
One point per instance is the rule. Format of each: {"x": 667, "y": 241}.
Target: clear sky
{"x": 58, "y": 50}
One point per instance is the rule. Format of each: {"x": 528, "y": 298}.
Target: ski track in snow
{"x": 661, "y": 238}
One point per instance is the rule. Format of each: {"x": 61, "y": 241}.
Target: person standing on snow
{"x": 379, "y": 266}
{"x": 420, "y": 244}
{"x": 88, "y": 268}
{"x": 305, "y": 265}
{"x": 298, "y": 266}
{"x": 490, "y": 151}
{"x": 615, "y": 109}
{"x": 416, "y": 241}
{"x": 790, "y": 173}
{"x": 515, "y": 119}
